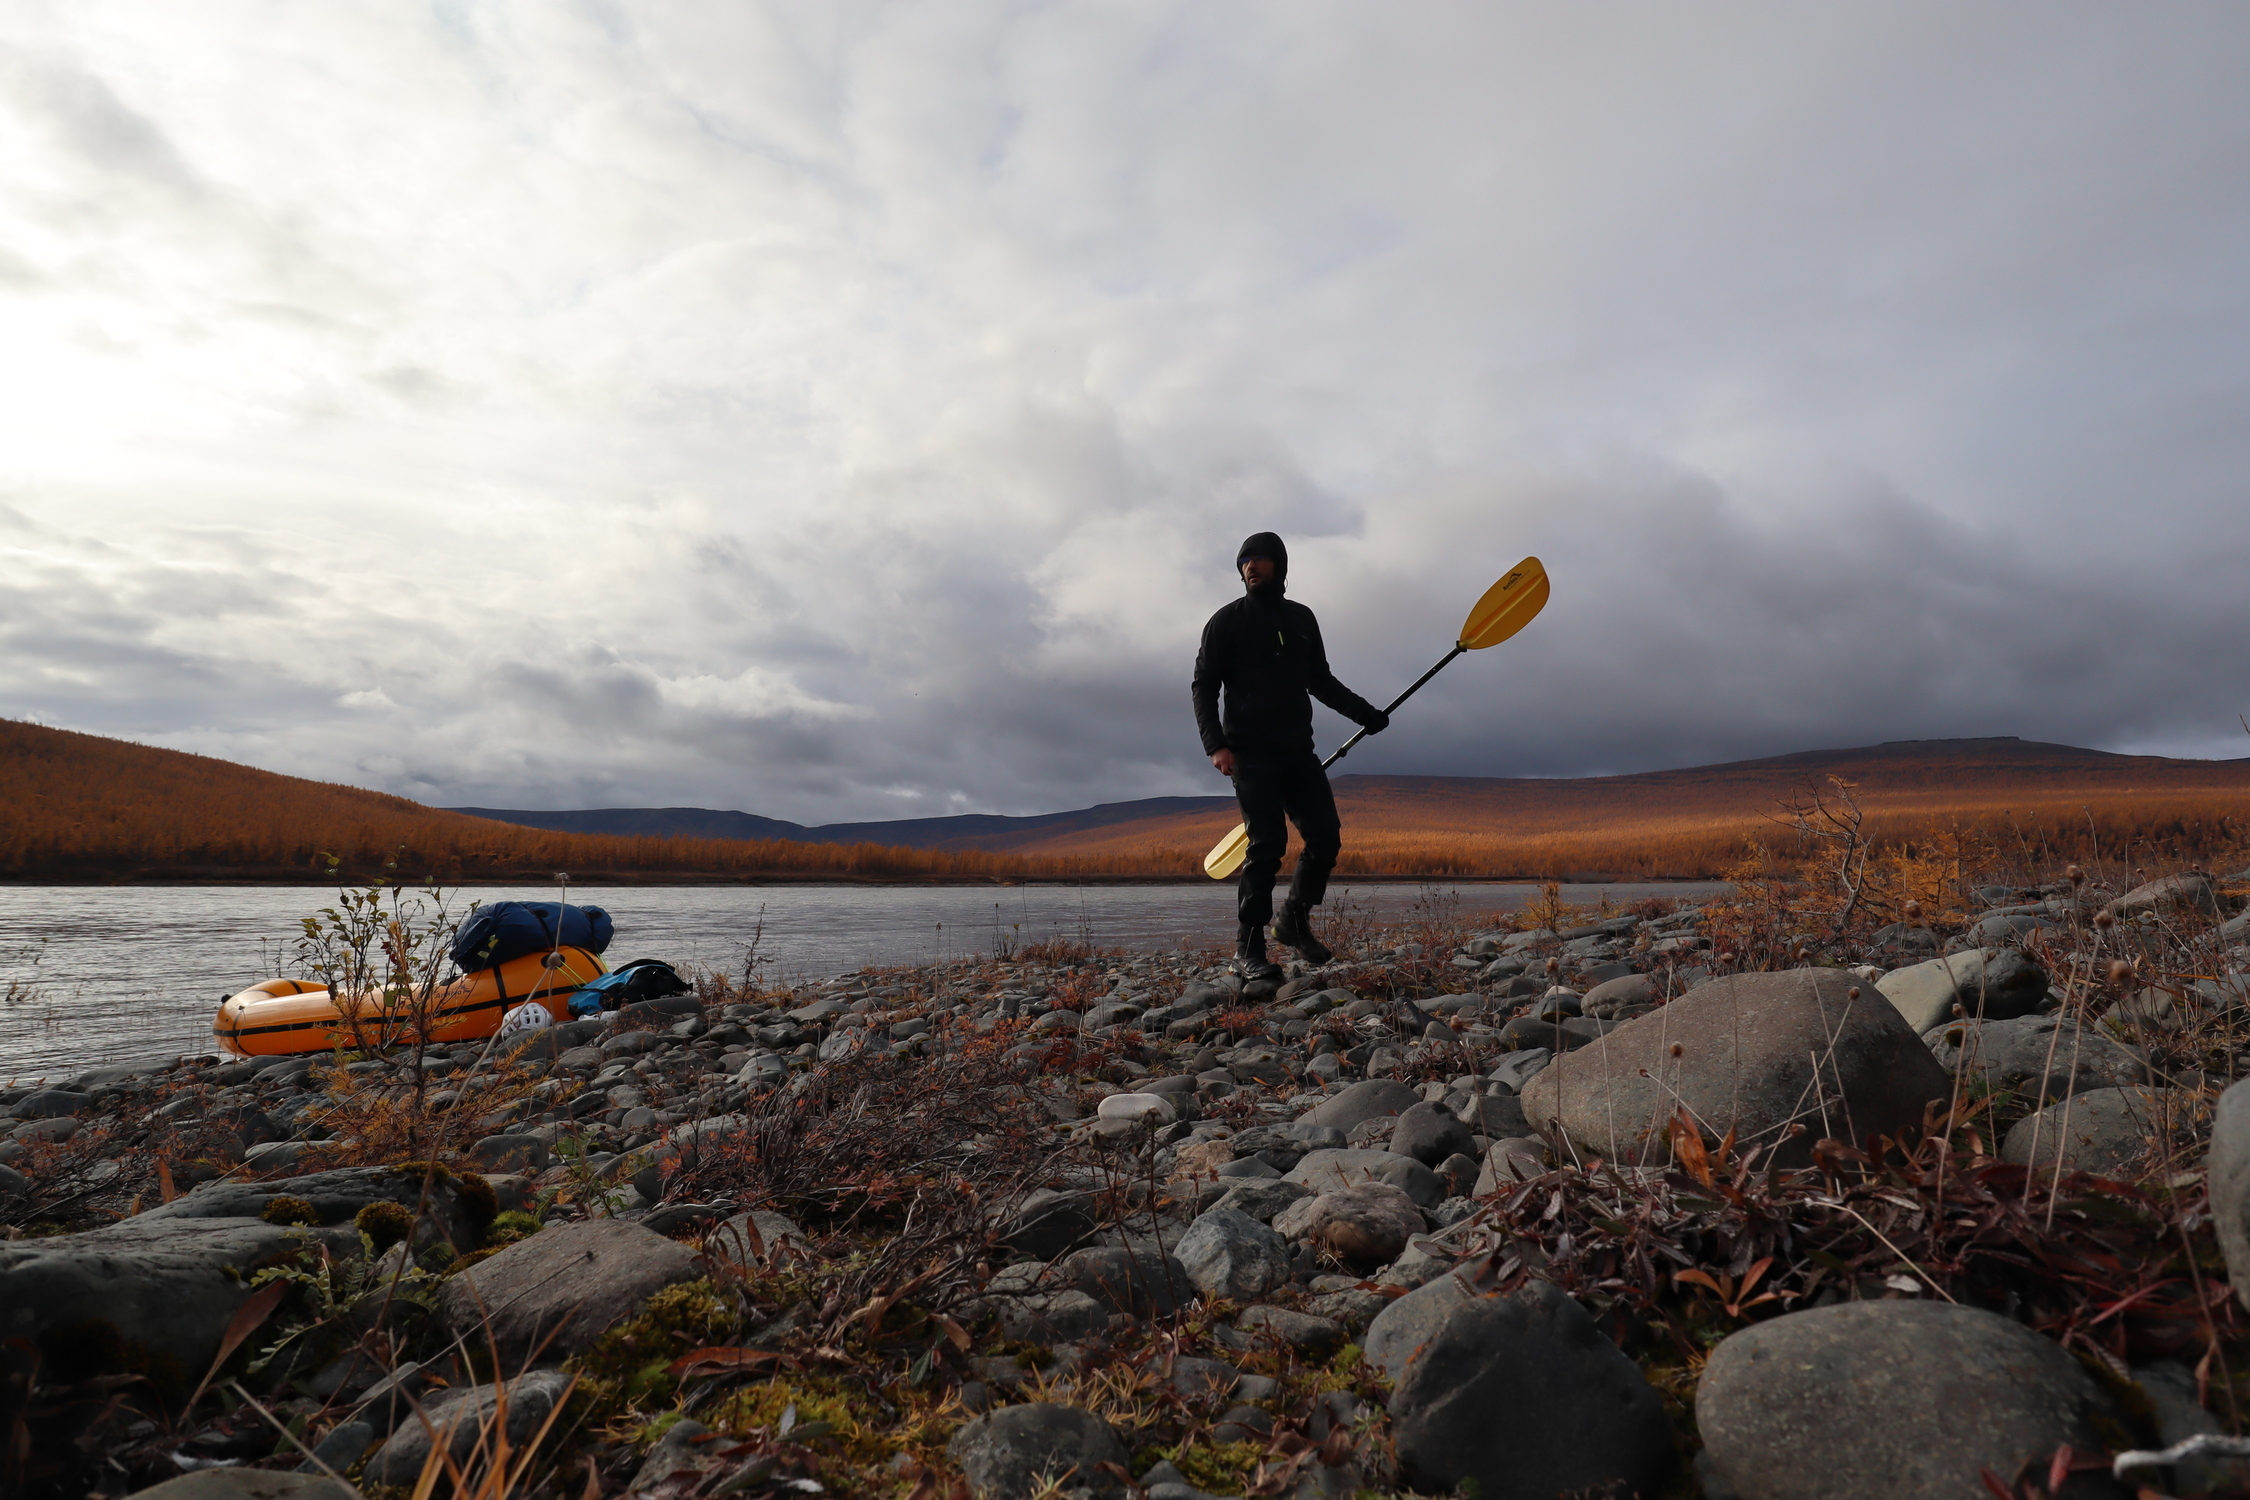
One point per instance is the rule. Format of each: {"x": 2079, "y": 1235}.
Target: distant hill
{"x": 83, "y": 807}
{"x": 1675, "y": 823}
{"x": 647, "y": 822}
{"x": 988, "y": 831}
{"x": 1696, "y": 821}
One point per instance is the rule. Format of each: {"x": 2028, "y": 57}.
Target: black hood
{"x": 1265, "y": 544}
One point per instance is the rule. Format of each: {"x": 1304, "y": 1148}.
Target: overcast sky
{"x": 850, "y": 410}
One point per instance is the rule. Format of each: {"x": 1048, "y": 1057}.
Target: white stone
{"x": 1137, "y": 1107}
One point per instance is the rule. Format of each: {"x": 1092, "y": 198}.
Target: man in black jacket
{"x": 1265, "y": 652}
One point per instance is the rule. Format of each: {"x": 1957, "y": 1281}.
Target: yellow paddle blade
{"x": 1227, "y": 854}
{"x": 1506, "y": 607}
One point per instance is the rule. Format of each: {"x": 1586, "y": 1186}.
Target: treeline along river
{"x": 101, "y": 974}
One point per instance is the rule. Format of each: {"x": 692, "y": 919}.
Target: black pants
{"x": 1270, "y": 787}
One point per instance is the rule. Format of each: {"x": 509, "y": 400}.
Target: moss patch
{"x": 628, "y": 1364}
{"x": 510, "y": 1227}
{"x": 384, "y": 1224}
{"x": 847, "y": 1423}
{"x": 1214, "y": 1468}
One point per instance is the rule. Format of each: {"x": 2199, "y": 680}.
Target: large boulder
{"x": 1524, "y": 1396}
{"x": 752, "y": 1234}
{"x": 1144, "y": 1280}
{"x": 683, "y": 1455}
{"x": 1739, "y": 1054}
{"x": 247, "y": 1484}
{"x": 1516, "y": 1069}
{"x": 2228, "y": 1174}
{"x": 1626, "y": 992}
{"x": 1068, "y": 1316}
{"x": 1509, "y": 1161}
{"x": 464, "y": 1418}
{"x": 2177, "y": 1413}
{"x": 551, "y": 1296}
{"x": 1370, "y": 1100}
{"x": 1021, "y": 1451}
{"x": 448, "y": 1208}
{"x": 147, "y": 1293}
{"x": 1895, "y": 1400}
{"x": 2115, "y": 1133}
{"x": 1495, "y": 1116}
{"x": 510, "y": 1153}
{"x": 1367, "y": 1225}
{"x": 2036, "y": 1056}
{"x": 1323, "y": 1171}
{"x": 1049, "y": 1222}
{"x": 1999, "y": 927}
{"x": 1430, "y": 1134}
{"x": 1410, "y": 1322}
{"x": 1233, "y": 1256}
{"x": 2192, "y": 891}
{"x": 1993, "y": 983}
{"x": 1314, "y": 1337}
{"x": 1262, "y": 1198}
{"x": 50, "y": 1104}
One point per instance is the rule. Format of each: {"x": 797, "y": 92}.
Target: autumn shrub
{"x": 2118, "y": 1273}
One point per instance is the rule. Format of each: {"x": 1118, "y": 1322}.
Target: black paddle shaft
{"x": 1344, "y": 748}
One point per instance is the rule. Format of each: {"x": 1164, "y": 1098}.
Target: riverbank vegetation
{"x": 842, "y": 1225}
{"x": 77, "y": 807}
{"x": 82, "y": 807}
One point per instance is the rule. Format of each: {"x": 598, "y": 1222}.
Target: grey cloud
{"x": 1718, "y": 637}
{"x": 841, "y": 413}
{"x": 99, "y": 131}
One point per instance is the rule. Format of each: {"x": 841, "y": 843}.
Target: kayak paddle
{"x": 1506, "y": 608}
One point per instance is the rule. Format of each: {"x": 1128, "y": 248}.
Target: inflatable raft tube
{"x": 278, "y": 1017}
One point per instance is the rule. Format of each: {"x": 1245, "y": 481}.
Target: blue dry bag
{"x": 507, "y": 930}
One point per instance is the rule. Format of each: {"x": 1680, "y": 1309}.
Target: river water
{"x": 106, "y": 974}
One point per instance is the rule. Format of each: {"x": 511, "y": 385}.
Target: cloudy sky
{"x": 845, "y": 410}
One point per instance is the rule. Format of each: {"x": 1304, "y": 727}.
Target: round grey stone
{"x": 1231, "y": 1255}
{"x": 2228, "y": 1166}
{"x": 246, "y": 1484}
{"x": 1899, "y": 1400}
{"x": 1019, "y": 1451}
{"x": 2113, "y": 1133}
{"x": 1429, "y": 1134}
{"x": 1740, "y": 1054}
{"x": 1523, "y": 1395}
{"x": 1363, "y": 1101}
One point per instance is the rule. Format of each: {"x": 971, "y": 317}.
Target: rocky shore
{"x": 1650, "y": 1202}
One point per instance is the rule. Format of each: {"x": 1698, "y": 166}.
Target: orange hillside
{"x": 81, "y": 807}
{"x": 1695, "y": 822}
{"x": 78, "y": 806}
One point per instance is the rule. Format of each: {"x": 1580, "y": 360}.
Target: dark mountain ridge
{"x": 1900, "y": 764}
{"x": 960, "y": 831}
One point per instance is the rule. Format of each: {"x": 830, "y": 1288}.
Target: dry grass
{"x": 1625, "y": 843}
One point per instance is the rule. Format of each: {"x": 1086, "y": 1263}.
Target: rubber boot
{"x": 1293, "y": 929}
{"x": 1250, "y": 955}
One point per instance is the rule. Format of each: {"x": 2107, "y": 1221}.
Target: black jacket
{"x": 1268, "y": 656}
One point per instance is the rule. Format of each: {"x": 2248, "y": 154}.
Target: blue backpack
{"x": 642, "y": 979}
{"x": 508, "y": 930}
